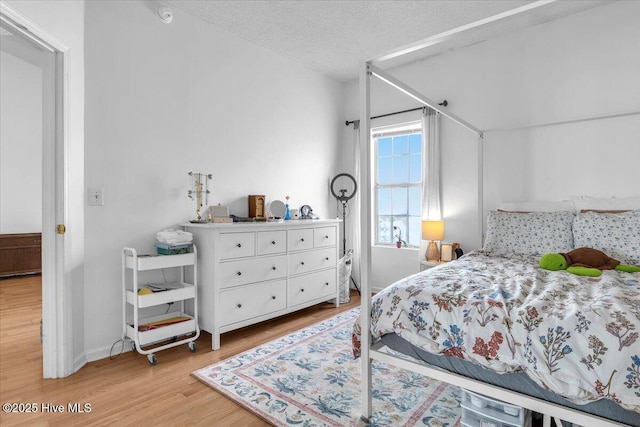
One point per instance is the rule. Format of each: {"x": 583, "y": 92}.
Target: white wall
{"x": 163, "y": 100}
{"x": 20, "y": 145}
{"x": 580, "y": 66}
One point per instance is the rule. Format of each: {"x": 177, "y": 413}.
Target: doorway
{"x": 25, "y": 44}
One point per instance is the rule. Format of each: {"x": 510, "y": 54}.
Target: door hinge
{"x": 61, "y": 229}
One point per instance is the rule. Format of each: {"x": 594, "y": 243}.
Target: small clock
{"x": 256, "y": 206}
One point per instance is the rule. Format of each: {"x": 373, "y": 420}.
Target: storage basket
{"x": 344, "y": 277}
{"x": 482, "y": 411}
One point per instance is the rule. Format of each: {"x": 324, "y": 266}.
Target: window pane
{"x": 384, "y": 201}
{"x": 400, "y": 169}
{"x": 401, "y": 145}
{"x": 399, "y": 197}
{"x": 415, "y": 201}
{"x": 415, "y": 143}
{"x": 384, "y": 170}
{"x": 415, "y": 233}
{"x": 415, "y": 168}
{"x": 384, "y": 147}
{"x": 384, "y": 230}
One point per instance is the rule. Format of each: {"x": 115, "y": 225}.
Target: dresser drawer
{"x": 300, "y": 239}
{"x": 272, "y": 242}
{"x": 312, "y": 286}
{"x": 246, "y": 302}
{"x": 305, "y": 262}
{"x": 241, "y": 272}
{"x": 237, "y": 245}
{"x": 323, "y": 237}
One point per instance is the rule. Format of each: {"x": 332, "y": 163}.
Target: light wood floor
{"x": 127, "y": 390}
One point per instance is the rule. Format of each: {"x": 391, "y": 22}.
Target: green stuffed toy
{"x": 584, "y": 262}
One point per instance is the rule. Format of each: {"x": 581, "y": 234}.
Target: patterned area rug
{"x": 310, "y": 378}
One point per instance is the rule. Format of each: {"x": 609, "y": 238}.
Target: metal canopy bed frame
{"x": 371, "y": 352}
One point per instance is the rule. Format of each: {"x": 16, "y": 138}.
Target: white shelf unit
{"x": 179, "y": 292}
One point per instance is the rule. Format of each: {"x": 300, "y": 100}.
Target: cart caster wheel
{"x": 153, "y": 360}
{"x": 193, "y": 347}
{"x": 174, "y": 339}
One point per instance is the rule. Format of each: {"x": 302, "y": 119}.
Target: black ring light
{"x": 343, "y": 198}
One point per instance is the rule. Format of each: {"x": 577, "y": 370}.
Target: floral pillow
{"x": 616, "y": 234}
{"x": 530, "y": 233}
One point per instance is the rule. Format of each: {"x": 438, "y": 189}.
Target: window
{"x": 398, "y": 183}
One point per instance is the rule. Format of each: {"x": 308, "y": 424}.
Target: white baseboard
{"x": 105, "y": 352}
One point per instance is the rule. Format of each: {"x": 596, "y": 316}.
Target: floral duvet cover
{"x": 576, "y": 336}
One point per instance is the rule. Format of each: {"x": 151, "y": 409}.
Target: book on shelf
{"x": 159, "y": 287}
{"x": 160, "y": 323}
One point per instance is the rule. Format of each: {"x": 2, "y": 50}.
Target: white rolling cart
{"x": 183, "y": 332}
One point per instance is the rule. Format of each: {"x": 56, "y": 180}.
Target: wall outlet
{"x": 95, "y": 197}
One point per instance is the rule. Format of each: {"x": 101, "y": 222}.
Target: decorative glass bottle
{"x": 287, "y": 212}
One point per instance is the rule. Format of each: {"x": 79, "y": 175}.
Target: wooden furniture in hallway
{"x": 20, "y": 253}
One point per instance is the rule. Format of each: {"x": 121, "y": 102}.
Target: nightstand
{"x": 425, "y": 265}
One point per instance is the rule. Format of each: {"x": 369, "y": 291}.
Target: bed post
{"x": 481, "y": 187}
{"x": 365, "y": 252}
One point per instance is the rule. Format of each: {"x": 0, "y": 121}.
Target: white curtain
{"x": 354, "y": 213}
{"x": 431, "y": 201}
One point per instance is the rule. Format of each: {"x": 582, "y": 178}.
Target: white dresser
{"x": 250, "y": 272}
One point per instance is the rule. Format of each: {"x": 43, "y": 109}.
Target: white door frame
{"x": 57, "y": 349}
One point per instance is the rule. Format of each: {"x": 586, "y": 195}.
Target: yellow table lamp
{"x": 432, "y": 231}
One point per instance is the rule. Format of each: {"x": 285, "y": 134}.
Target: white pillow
{"x": 606, "y": 203}
{"x": 533, "y": 233}
{"x": 544, "y": 206}
{"x": 616, "y": 234}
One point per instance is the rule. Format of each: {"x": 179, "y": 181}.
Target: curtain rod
{"x": 443, "y": 104}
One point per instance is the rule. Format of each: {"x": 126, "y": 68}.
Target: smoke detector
{"x": 165, "y": 14}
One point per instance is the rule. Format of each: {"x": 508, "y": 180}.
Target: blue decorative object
{"x": 287, "y": 213}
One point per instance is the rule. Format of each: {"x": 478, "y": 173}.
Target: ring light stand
{"x": 343, "y": 197}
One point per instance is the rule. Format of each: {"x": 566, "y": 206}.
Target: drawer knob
{"x": 326, "y": 283}
{"x": 273, "y": 297}
{"x": 302, "y": 263}
{"x": 302, "y": 290}
{"x": 239, "y": 306}
{"x": 273, "y": 242}
{"x": 239, "y": 245}
{"x": 302, "y": 239}
{"x": 239, "y": 273}
{"x": 273, "y": 268}
{"x": 326, "y": 237}
{"x": 326, "y": 259}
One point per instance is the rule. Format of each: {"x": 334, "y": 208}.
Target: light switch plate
{"x": 95, "y": 197}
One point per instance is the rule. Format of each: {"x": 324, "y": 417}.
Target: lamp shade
{"x": 432, "y": 230}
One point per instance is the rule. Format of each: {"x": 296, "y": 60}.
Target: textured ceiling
{"x": 334, "y": 37}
